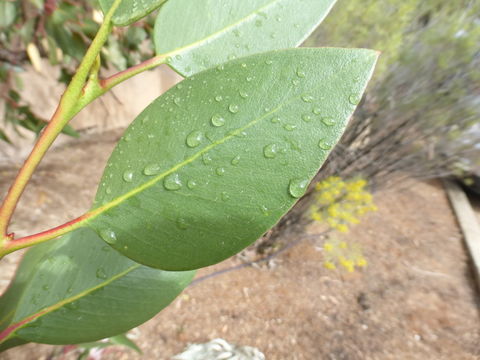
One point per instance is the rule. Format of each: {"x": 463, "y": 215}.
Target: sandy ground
{"x": 415, "y": 300}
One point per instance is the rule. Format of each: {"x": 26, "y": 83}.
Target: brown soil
{"x": 415, "y": 300}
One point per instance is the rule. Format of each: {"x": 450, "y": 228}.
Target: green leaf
{"x": 8, "y": 13}
{"x": 212, "y": 164}
{"x": 77, "y": 289}
{"x": 130, "y": 11}
{"x": 210, "y": 32}
{"x": 123, "y": 340}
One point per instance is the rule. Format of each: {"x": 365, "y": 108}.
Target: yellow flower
{"x": 329, "y": 265}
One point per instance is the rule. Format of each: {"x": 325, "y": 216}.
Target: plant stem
{"x": 66, "y": 109}
{"x": 95, "y": 88}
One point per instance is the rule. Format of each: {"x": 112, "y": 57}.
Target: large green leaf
{"x": 130, "y": 11}
{"x": 201, "y": 34}
{"x": 78, "y": 289}
{"x": 212, "y": 164}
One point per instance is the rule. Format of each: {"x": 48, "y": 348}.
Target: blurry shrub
{"x": 421, "y": 117}
{"x": 60, "y": 31}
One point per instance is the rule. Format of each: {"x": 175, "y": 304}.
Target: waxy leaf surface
{"x": 200, "y": 34}
{"x": 78, "y": 289}
{"x": 213, "y": 163}
{"x": 130, "y": 11}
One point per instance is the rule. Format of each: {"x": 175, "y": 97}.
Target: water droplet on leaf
{"x": 297, "y": 187}
{"x": 206, "y": 159}
{"x": 300, "y": 73}
{"x": 220, "y": 171}
{"x": 191, "y": 184}
{"x": 108, "y": 235}
{"x": 354, "y": 99}
{"x": 289, "y": 127}
{"x": 270, "y": 151}
{"x": 307, "y": 98}
{"x": 225, "y": 196}
{"x": 275, "y": 120}
{"x": 100, "y": 274}
{"x": 324, "y": 145}
{"x": 328, "y": 120}
{"x": 172, "y": 182}
{"x": 233, "y": 108}
{"x": 217, "y": 120}
{"x": 151, "y": 169}
{"x": 128, "y": 176}
{"x": 235, "y": 160}
{"x": 194, "y": 139}
{"x": 306, "y": 118}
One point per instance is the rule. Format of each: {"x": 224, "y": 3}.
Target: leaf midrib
{"x": 219, "y": 32}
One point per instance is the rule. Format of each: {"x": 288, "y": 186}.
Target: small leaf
{"x": 200, "y": 34}
{"x": 212, "y": 164}
{"x": 77, "y": 289}
{"x": 122, "y": 339}
{"x": 130, "y": 11}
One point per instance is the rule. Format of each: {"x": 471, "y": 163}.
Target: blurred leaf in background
{"x": 59, "y": 32}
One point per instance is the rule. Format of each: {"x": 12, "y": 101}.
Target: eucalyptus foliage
{"x": 200, "y": 174}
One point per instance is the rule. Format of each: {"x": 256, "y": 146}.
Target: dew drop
{"x": 145, "y": 119}
{"x": 218, "y": 98}
{"x": 151, "y": 169}
{"x": 206, "y": 159}
{"x": 106, "y": 248}
{"x": 108, "y": 235}
{"x": 243, "y": 94}
{"x": 317, "y": 111}
{"x": 328, "y": 120}
{"x": 225, "y": 196}
{"x": 300, "y": 73}
{"x": 296, "y": 26}
{"x": 127, "y": 137}
{"x": 289, "y": 127}
{"x": 46, "y": 287}
{"x": 231, "y": 57}
{"x": 128, "y": 176}
{"x": 108, "y": 191}
{"x": 324, "y": 144}
{"x": 275, "y": 120}
{"x": 179, "y": 86}
{"x": 269, "y": 62}
{"x": 270, "y": 151}
{"x": 278, "y": 18}
{"x": 217, "y": 120}
{"x": 244, "y": 65}
{"x": 307, "y": 98}
{"x": 191, "y": 184}
{"x": 297, "y": 187}
{"x": 220, "y": 171}
{"x": 194, "y": 139}
{"x": 306, "y": 118}
{"x": 264, "y": 210}
{"x": 182, "y": 223}
{"x": 249, "y": 78}
{"x": 235, "y": 160}
{"x": 354, "y": 99}
{"x": 100, "y": 274}
{"x": 233, "y": 108}
{"x": 220, "y": 67}
{"x": 177, "y": 101}
{"x": 172, "y": 182}
{"x": 178, "y": 57}
{"x": 272, "y": 36}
